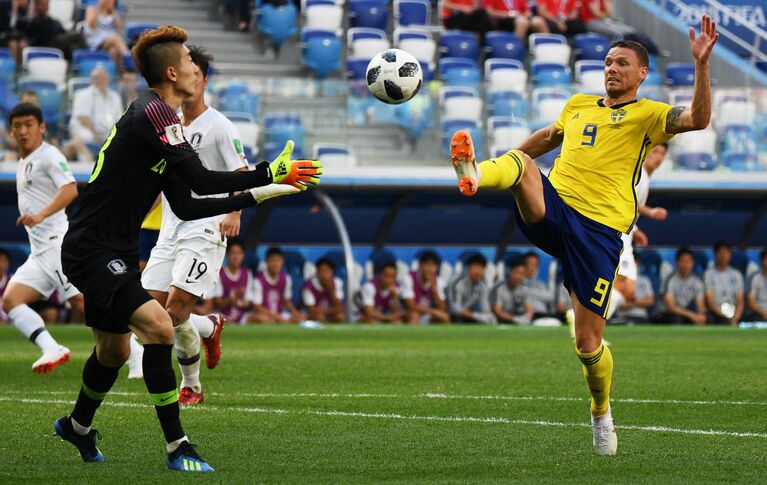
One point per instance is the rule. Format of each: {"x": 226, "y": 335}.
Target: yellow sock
{"x": 598, "y": 371}
{"x": 502, "y": 172}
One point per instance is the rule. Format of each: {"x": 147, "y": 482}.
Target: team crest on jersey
{"x": 618, "y": 115}
{"x": 174, "y": 134}
{"x": 117, "y": 267}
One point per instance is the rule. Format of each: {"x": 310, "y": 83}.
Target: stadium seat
{"x": 281, "y": 127}
{"x": 505, "y": 45}
{"x": 741, "y": 161}
{"x": 49, "y": 69}
{"x": 75, "y": 84}
{"x": 696, "y": 161}
{"x": 277, "y": 22}
{"x": 247, "y": 126}
{"x": 734, "y": 111}
{"x": 329, "y": 17}
{"x": 457, "y": 43}
{"x": 321, "y": 51}
{"x": 80, "y": 55}
{"x": 63, "y": 11}
{"x": 650, "y": 264}
{"x": 411, "y": 12}
{"x": 449, "y": 127}
{"x": 506, "y": 75}
{"x": 129, "y": 64}
{"x": 653, "y": 79}
{"x": 334, "y": 155}
{"x": 460, "y": 103}
{"x": 550, "y": 48}
{"x": 39, "y": 53}
{"x": 591, "y": 46}
{"x": 416, "y": 116}
{"x": 550, "y": 74}
{"x": 376, "y": 260}
{"x": 506, "y": 133}
{"x": 368, "y": 13}
{"x": 507, "y": 103}
{"x": 549, "y": 102}
{"x": 590, "y": 76}
{"x": 364, "y": 42}
{"x": 404, "y": 33}
{"x": 294, "y": 266}
{"x": 459, "y": 72}
{"x": 50, "y": 98}
{"x": 133, "y": 30}
{"x": 680, "y": 74}
{"x": 738, "y": 138}
{"x": 7, "y": 67}
{"x": 356, "y": 69}
{"x": 244, "y": 102}
{"x": 417, "y": 42}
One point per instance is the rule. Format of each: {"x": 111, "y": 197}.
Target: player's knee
{"x": 587, "y": 342}
{"x": 9, "y": 303}
{"x": 178, "y": 313}
{"x": 78, "y": 303}
{"x": 113, "y": 356}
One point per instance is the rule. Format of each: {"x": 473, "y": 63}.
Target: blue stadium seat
{"x": 696, "y": 161}
{"x": 701, "y": 261}
{"x": 507, "y": 103}
{"x": 592, "y": 47}
{"x": 412, "y": 12}
{"x": 550, "y": 74}
{"x": 358, "y": 33}
{"x": 653, "y": 79}
{"x": 380, "y": 257}
{"x": 80, "y": 55}
{"x": 272, "y": 150}
{"x": 499, "y": 44}
{"x": 406, "y": 34}
{"x": 281, "y": 127}
{"x": 449, "y": 127}
{"x": 680, "y": 74}
{"x": 322, "y": 55}
{"x": 368, "y": 13}
{"x": 741, "y": 161}
{"x": 133, "y": 30}
{"x": 457, "y": 43}
{"x": 428, "y": 74}
{"x": 416, "y": 116}
{"x": 356, "y": 69}
{"x": 244, "y": 102}
{"x": 87, "y": 66}
{"x": 277, "y": 23}
{"x": 459, "y": 71}
{"x": 7, "y": 69}
{"x": 50, "y": 99}
{"x": 128, "y": 63}
{"x": 8, "y": 98}
{"x": 738, "y": 138}
{"x": 294, "y": 266}
{"x": 650, "y": 262}
{"x": 337, "y": 257}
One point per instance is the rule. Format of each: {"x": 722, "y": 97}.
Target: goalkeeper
{"x": 144, "y": 154}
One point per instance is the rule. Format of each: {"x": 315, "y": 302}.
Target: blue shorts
{"x": 147, "y": 240}
{"x": 589, "y": 251}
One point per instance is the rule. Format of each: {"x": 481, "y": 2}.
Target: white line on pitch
{"x": 331, "y": 395}
{"x": 450, "y": 419}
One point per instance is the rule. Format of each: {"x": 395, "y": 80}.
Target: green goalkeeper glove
{"x": 297, "y": 173}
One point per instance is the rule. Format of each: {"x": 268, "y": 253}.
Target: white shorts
{"x": 627, "y": 267}
{"x": 43, "y": 273}
{"x": 191, "y": 265}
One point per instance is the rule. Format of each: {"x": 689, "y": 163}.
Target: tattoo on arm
{"x": 673, "y": 116}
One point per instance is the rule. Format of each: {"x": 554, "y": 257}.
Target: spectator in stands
{"x": 541, "y": 297}
{"x": 232, "y": 294}
{"x": 30, "y": 97}
{"x": 95, "y": 110}
{"x": 514, "y": 16}
{"x": 323, "y": 294}
{"x": 637, "y": 310}
{"x": 597, "y": 16}
{"x": 128, "y": 87}
{"x": 562, "y": 303}
{"x": 13, "y": 16}
{"x": 273, "y": 292}
{"x": 244, "y": 9}
{"x": 468, "y": 298}
{"x": 683, "y": 293}
{"x": 724, "y": 287}
{"x": 41, "y": 30}
{"x": 466, "y": 15}
{"x": 510, "y": 299}
{"x": 104, "y": 30}
{"x": 561, "y": 17}
{"x": 5, "y": 277}
{"x": 423, "y": 292}
{"x": 757, "y": 293}
{"x": 378, "y": 299}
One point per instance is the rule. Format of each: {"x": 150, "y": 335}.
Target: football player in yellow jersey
{"x": 578, "y": 212}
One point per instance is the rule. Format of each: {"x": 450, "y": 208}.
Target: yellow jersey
{"x": 602, "y": 154}
{"x": 153, "y": 220}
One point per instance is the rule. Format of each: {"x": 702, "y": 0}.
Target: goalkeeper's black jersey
{"x": 146, "y": 153}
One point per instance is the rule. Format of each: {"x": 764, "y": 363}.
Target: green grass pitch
{"x": 362, "y": 404}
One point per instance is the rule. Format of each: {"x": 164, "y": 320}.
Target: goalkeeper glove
{"x": 298, "y": 173}
{"x": 262, "y": 194}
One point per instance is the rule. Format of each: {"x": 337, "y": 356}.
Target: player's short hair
{"x": 201, "y": 58}
{"x": 274, "y": 251}
{"x": 5, "y": 253}
{"x": 429, "y": 256}
{"x": 476, "y": 258}
{"x": 325, "y": 262}
{"x": 235, "y": 243}
{"x": 517, "y": 263}
{"x": 155, "y": 50}
{"x": 25, "y": 109}
{"x": 722, "y": 244}
{"x": 530, "y": 254}
{"x": 386, "y": 264}
{"x": 684, "y": 250}
{"x": 639, "y": 50}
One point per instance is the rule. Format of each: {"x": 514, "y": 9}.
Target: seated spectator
{"x": 510, "y": 299}
{"x": 323, "y": 294}
{"x": 104, "y": 30}
{"x": 232, "y": 294}
{"x": 514, "y": 16}
{"x": 95, "y": 110}
{"x": 423, "y": 292}
{"x": 5, "y": 277}
{"x": 597, "y": 16}
{"x": 40, "y": 29}
{"x": 683, "y": 293}
{"x": 466, "y": 15}
{"x": 13, "y": 15}
{"x": 273, "y": 292}
{"x": 757, "y": 293}
{"x": 724, "y": 288}
{"x": 561, "y": 17}
{"x": 378, "y": 299}
{"x": 637, "y": 310}
{"x": 468, "y": 298}
{"x": 540, "y": 295}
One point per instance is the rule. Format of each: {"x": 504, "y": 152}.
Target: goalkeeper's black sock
{"x": 160, "y": 381}
{"x": 97, "y": 381}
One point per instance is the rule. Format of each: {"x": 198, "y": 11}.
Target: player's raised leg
{"x": 16, "y": 302}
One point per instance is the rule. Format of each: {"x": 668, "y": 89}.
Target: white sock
{"x": 203, "y": 325}
{"x": 30, "y": 323}
{"x": 173, "y": 445}
{"x": 79, "y": 428}
{"x": 187, "y": 342}
{"x": 135, "y": 347}
{"x": 616, "y": 301}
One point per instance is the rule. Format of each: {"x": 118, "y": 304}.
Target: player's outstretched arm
{"x": 698, "y": 114}
{"x": 542, "y": 141}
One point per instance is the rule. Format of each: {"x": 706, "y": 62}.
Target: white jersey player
{"x": 45, "y": 187}
{"x": 185, "y": 263}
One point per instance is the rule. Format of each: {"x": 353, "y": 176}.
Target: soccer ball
{"x": 394, "y": 76}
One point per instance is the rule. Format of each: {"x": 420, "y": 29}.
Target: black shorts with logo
{"x": 110, "y": 284}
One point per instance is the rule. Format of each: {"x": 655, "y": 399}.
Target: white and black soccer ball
{"x": 394, "y": 76}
